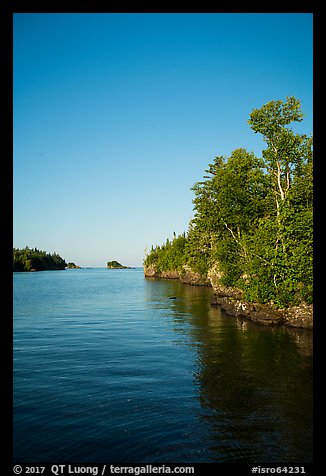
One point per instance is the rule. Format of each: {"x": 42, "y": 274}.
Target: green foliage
{"x": 271, "y": 119}
{"x": 169, "y": 256}
{"x": 198, "y": 249}
{"x": 228, "y": 204}
{"x": 253, "y": 216}
{"x": 228, "y": 255}
{"x": 28, "y": 259}
{"x": 115, "y": 265}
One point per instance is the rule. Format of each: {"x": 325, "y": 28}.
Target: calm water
{"x": 109, "y": 369}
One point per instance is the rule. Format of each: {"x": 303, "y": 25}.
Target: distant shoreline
{"x": 79, "y": 267}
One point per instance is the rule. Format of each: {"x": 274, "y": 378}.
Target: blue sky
{"x": 116, "y": 116}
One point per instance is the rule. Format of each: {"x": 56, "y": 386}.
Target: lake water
{"x": 109, "y": 369}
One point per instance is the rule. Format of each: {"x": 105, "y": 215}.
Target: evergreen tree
{"x": 33, "y": 259}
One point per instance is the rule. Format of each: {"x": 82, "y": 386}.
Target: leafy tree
{"x": 284, "y": 148}
{"x": 288, "y": 160}
{"x": 228, "y": 203}
{"x": 253, "y": 217}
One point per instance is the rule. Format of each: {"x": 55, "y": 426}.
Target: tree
{"x": 33, "y": 259}
{"x": 283, "y": 154}
{"x": 253, "y": 216}
{"x": 228, "y": 203}
{"x": 169, "y": 256}
{"x": 288, "y": 246}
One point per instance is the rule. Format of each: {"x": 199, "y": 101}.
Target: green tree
{"x": 253, "y": 217}
{"x": 228, "y": 204}
{"x": 28, "y": 259}
{"x": 169, "y": 256}
{"x": 284, "y": 148}
{"x": 285, "y": 255}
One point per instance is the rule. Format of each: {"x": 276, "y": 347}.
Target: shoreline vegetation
{"x": 116, "y": 265}
{"x": 32, "y": 259}
{"x": 251, "y": 238}
{"x": 73, "y": 266}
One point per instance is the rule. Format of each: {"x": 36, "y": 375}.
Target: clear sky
{"x": 116, "y": 116}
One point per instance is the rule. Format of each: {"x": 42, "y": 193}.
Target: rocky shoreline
{"x": 265, "y": 314}
{"x": 231, "y": 301}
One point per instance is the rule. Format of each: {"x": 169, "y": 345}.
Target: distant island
{"x": 116, "y": 265}
{"x": 32, "y": 259}
{"x": 73, "y": 266}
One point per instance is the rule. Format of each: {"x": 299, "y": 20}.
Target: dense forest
{"x": 29, "y": 259}
{"x": 253, "y": 217}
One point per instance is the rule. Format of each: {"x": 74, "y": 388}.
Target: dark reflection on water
{"x": 255, "y": 382}
{"x": 110, "y": 367}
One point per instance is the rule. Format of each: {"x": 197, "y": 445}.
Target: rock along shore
{"x": 231, "y": 301}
